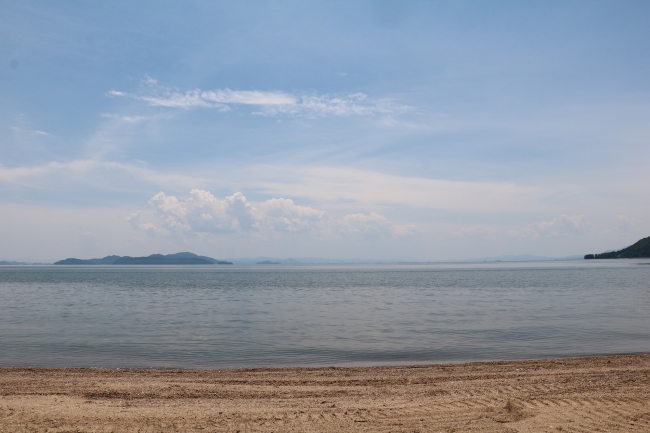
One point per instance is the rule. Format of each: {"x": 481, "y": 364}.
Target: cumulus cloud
{"x": 202, "y": 212}
{"x": 564, "y": 225}
{"x": 266, "y": 103}
{"x": 134, "y": 220}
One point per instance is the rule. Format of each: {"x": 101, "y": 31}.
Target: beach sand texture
{"x": 595, "y": 394}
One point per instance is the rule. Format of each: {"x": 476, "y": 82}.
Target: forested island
{"x": 641, "y": 249}
{"x": 154, "y": 259}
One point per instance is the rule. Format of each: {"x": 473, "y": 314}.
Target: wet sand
{"x": 607, "y": 394}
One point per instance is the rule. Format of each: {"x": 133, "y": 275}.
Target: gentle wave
{"x": 252, "y": 316}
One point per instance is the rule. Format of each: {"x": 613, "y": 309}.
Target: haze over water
{"x": 253, "y": 316}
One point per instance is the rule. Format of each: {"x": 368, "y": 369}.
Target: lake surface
{"x": 253, "y": 316}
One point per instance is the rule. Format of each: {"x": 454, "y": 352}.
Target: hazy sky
{"x": 382, "y": 129}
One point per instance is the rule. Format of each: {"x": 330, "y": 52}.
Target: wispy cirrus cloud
{"x": 92, "y": 173}
{"x": 248, "y": 97}
{"x": 125, "y": 118}
{"x": 351, "y": 185}
{"x": 30, "y": 131}
{"x": 265, "y": 103}
{"x": 330, "y": 187}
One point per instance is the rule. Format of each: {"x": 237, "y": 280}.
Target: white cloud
{"x": 30, "y": 131}
{"x": 325, "y": 105}
{"x": 202, "y": 212}
{"x": 134, "y": 219}
{"x": 268, "y": 103}
{"x": 149, "y": 228}
{"x": 373, "y": 224}
{"x": 126, "y": 119}
{"x": 562, "y": 226}
{"x": 247, "y": 97}
{"x": 625, "y": 224}
{"x": 185, "y": 100}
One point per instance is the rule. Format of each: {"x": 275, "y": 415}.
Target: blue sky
{"x": 383, "y": 129}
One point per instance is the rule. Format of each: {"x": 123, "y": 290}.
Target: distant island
{"x": 641, "y": 249}
{"x": 13, "y": 263}
{"x": 267, "y": 262}
{"x": 154, "y": 259}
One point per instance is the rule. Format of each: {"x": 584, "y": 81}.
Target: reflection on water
{"x": 208, "y": 317}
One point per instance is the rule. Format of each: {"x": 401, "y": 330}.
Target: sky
{"x": 391, "y": 130}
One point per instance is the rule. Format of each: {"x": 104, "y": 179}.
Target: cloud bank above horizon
{"x": 202, "y": 212}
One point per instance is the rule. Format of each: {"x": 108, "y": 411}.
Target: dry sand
{"x": 608, "y": 394}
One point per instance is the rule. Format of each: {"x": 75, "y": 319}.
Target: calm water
{"x": 229, "y": 316}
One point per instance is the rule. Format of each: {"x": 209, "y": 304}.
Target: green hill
{"x": 638, "y": 250}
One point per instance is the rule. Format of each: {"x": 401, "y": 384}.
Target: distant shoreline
{"x": 333, "y": 263}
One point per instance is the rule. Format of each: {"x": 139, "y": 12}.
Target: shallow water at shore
{"x": 249, "y": 316}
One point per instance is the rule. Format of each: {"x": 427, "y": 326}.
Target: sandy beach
{"x": 608, "y": 394}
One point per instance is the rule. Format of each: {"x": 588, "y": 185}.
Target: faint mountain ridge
{"x": 259, "y": 259}
{"x": 17, "y": 263}
{"x": 520, "y": 258}
{"x": 307, "y": 261}
{"x": 321, "y": 261}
